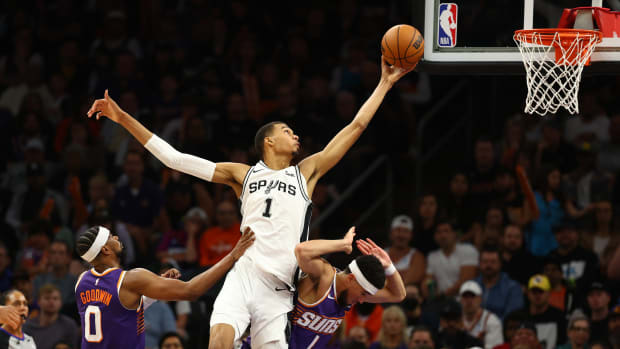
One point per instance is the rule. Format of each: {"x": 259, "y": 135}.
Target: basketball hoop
{"x": 553, "y": 81}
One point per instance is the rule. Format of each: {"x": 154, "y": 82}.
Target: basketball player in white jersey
{"x": 275, "y": 204}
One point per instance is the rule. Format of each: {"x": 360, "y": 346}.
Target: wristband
{"x": 389, "y": 271}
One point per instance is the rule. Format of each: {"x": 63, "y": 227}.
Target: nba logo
{"x": 447, "y": 25}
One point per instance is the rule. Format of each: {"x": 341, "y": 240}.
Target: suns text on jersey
{"x": 272, "y": 185}
{"x": 317, "y": 323}
{"x": 95, "y": 295}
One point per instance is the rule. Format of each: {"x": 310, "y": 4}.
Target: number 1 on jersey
{"x": 267, "y": 212}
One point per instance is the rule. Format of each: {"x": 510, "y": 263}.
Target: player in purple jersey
{"x": 324, "y": 295}
{"x": 110, "y": 300}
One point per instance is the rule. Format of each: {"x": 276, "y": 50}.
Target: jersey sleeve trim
{"x": 302, "y": 187}
{"x": 77, "y": 283}
{"x": 245, "y": 181}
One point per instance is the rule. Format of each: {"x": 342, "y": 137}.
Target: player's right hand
{"x": 106, "y": 107}
{"x": 348, "y": 240}
{"x": 10, "y": 316}
{"x": 246, "y": 240}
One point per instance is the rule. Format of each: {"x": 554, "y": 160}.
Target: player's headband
{"x": 102, "y": 237}
{"x": 361, "y": 279}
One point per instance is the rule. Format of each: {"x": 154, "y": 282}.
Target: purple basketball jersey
{"x": 314, "y": 324}
{"x": 106, "y": 323}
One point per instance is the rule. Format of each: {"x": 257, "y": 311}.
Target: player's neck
{"x": 277, "y": 162}
{"x": 17, "y": 332}
{"x": 103, "y": 266}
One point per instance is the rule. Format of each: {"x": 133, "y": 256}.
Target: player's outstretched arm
{"x": 394, "y": 290}
{"x": 309, "y": 254}
{"x": 143, "y": 282}
{"x": 316, "y": 165}
{"x": 225, "y": 173}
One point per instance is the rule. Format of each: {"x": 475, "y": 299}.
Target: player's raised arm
{"x": 225, "y": 173}
{"x": 143, "y": 282}
{"x": 316, "y": 165}
{"x": 309, "y": 254}
{"x": 394, "y": 290}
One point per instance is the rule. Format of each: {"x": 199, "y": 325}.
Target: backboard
{"x": 481, "y": 32}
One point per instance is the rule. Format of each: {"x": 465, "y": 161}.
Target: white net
{"x": 553, "y": 77}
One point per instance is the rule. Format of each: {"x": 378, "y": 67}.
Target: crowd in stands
{"x": 483, "y": 266}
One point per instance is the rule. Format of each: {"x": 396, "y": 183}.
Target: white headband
{"x": 102, "y": 237}
{"x": 366, "y": 285}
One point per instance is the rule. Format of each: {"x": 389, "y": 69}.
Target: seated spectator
{"x": 598, "y": 299}
{"x": 526, "y": 337}
{"x": 425, "y": 223}
{"x": 452, "y": 264}
{"x": 359, "y": 334}
{"x": 578, "y": 333}
{"x": 174, "y": 244}
{"x": 579, "y": 265}
{"x": 171, "y": 340}
{"x": 511, "y": 325}
{"x": 553, "y": 149}
{"x": 602, "y": 233}
{"x": 451, "y": 333}
{"x": 509, "y": 196}
{"x": 458, "y": 206}
{"x": 550, "y": 202}
{"x": 517, "y": 261}
{"x": 421, "y": 338}
{"x": 15, "y": 336}
{"x": 412, "y": 306}
{"x": 367, "y": 315}
{"x": 501, "y": 295}
{"x": 560, "y": 296}
{"x": 393, "y": 332}
{"x": 482, "y": 177}
{"x": 6, "y": 273}
{"x": 477, "y": 321}
{"x": 158, "y": 319}
{"x": 50, "y": 326}
{"x": 58, "y": 260}
{"x": 490, "y": 232}
{"x": 32, "y": 258}
{"x": 408, "y": 261}
{"x": 592, "y": 125}
{"x": 217, "y": 241}
{"x": 549, "y": 321}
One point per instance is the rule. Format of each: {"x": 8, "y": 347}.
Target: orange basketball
{"x": 402, "y": 46}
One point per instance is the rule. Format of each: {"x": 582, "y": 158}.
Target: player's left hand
{"x": 392, "y": 73}
{"x": 348, "y": 240}
{"x": 368, "y": 247}
{"x": 171, "y": 274}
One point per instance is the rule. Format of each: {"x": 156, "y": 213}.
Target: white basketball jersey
{"x": 275, "y": 205}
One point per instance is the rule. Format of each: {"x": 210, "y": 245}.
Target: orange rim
{"x": 567, "y": 36}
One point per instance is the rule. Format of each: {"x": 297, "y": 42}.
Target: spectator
{"x": 50, "y": 326}
{"x": 603, "y": 233}
{"x": 407, "y": 260}
{"x": 458, "y": 205}
{"x": 452, "y": 264}
{"x": 598, "y": 299}
{"x": 526, "y": 337}
{"x": 138, "y": 203}
{"x": 490, "y": 232}
{"x": 451, "y": 332}
{"x": 549, "y": 321}
{"x": 367, "y": 315}
{"x": 578, "y": 333}
{"x": 516, "y": 261}
{"x": 393, "y": 332}
{"x": 217, "y": 241}
{"x": 426, "y": 214}
{"x": 500, "y": 294}
{"x": 482, "y": 178}
{"x": 560, "y": 296}
{"x": 540, "y": 239}
{"x": 175, "y": 244}
{"x": 11, "y": 335}
{"x": 359, "y": 334}
{"x": 592, "y": 125}
{"x": 412, "y": 305}
{"x": 6, "y": 273}
{"x": 171, "y": 340}
{"x": 62, "y": 345}
{"x": 477, "y": 321}
{"x": 511, "y": 325}
{"x": 579, "y": 265}
{"x": 552, "y": 149}
{"x": 158, "y": 320}
{"x": 421, "y": 338}
{"x": 59, "y": 258}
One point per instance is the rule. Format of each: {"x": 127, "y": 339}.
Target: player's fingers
{"x": 247, "y": 231}
{"x": 106, "y": 95}
{"x": 372, "y": 243}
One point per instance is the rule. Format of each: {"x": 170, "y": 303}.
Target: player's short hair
{"x": 371, "y": 268}
{"x": 86, "y": 239}
{"x": 47, "y": 289}
{"x": 264, "y": 131}
{"x": 5, "y": 295}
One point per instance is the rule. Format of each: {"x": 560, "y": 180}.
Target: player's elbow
{"x": 300, "y": 251}
{"x": 359, "y": 125}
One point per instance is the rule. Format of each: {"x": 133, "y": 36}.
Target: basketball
{"x": 402, "y": 46}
